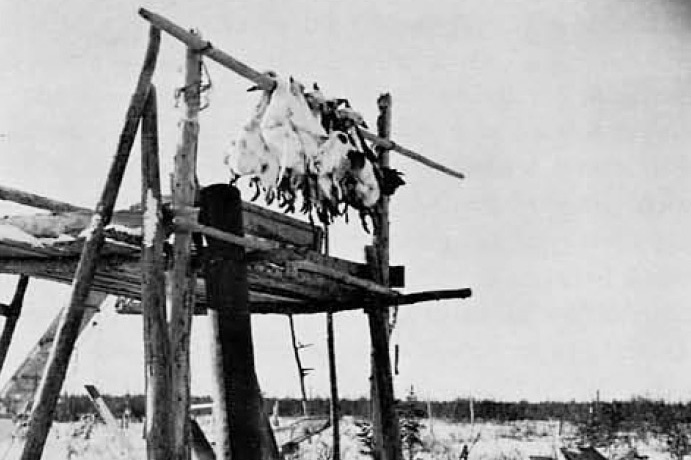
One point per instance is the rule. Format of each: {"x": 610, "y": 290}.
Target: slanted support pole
{"x": 12, "y": 312}
{"x": 385, "y": 420}
{"x": 238, "y": 409}
{"x": 201, "y": 447}
{"x": 158, "y": 429}
{"x": 182, "y": 293}
{"x": 68, "y": 328}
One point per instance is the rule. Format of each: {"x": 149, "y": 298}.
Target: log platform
{"x": 286, "y": 274}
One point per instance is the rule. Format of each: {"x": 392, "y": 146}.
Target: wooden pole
{"x": 201, "y": 447}
{"x": 12, "y": 312}
{"x": 68, "y": 329}
{"x": 335, "y": 409}
{"x": 386, "y": 429}
{"x": 267, "y": 83}
{"x": 158, "y": 429}
{"x": 237, "y": 402}
{"x": 302, "y": 373}
{"x": 182, "y": 294}
{"x": 36, "y": 201}
{"x": 123, "y": 448}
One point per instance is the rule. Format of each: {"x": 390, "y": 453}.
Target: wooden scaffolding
{"x": 254, "y": 261}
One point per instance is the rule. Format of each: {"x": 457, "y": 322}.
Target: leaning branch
{"x": 267, "y": 83}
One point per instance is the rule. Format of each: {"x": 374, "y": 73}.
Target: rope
{"x": 205, "y": 85}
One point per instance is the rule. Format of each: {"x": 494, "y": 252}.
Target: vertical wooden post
{"x": 158, "y": 429}
{"x": 385, "y": 419}
{"x": 68, "y": 329}
{"x": 11, "y": 317}
{"x": 237, "y": 402}
{"x": 335, "y": 409}
{"x": 302, "y": 373}
{"x": 182, "y": 292}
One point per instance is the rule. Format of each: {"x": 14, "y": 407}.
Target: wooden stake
{"x": 302, "y": 373}
{"x": 182, "y": 294}
{"x": 158, "y": 429}
{"x": 335, "y": 409}
{"x": 237, "y": 402}
{"x": 68, "y": 330}
{"x": 385, "y": 418}
{"x": 12, "y": 312}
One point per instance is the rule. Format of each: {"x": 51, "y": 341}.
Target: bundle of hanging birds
{"x": 300, "y": 148}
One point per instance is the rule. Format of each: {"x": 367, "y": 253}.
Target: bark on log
{"x": 158, "y": 429}
{"x": 386, "y": 429}
{"x": 182, "y": 277}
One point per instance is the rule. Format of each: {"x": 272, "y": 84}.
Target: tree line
{"x": 619, "y": 414}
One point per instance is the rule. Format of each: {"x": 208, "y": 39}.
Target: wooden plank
{"x": 276, "y": 226}
{"x": 158, "y": 429}
{"x": 51, "y": 383}
{"x": 267, "y": 83}
{"x": 12, "y": 313}
{"x": 184, "y": 189}
{"x": 237, "y": 402}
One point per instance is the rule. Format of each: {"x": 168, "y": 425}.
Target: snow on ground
{"x": 442, "y": 440}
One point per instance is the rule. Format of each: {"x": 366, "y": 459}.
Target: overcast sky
{"x": 571, "y": 120}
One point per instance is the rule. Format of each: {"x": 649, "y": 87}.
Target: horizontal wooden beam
{"x": 267, "y": 83}
{"x": 35, "y": 201}
{"x": 426, "y": 296}
{"x": 119, "y": 275}
{"x": 400, "y": 300}
{"x": 307, "y": 308}
{"x": 259, "y": 221}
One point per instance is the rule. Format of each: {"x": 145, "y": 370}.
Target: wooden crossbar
{"x": 267, "y": 83}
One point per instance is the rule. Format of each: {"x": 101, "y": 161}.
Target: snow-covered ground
{"x": 442, "y": 441}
